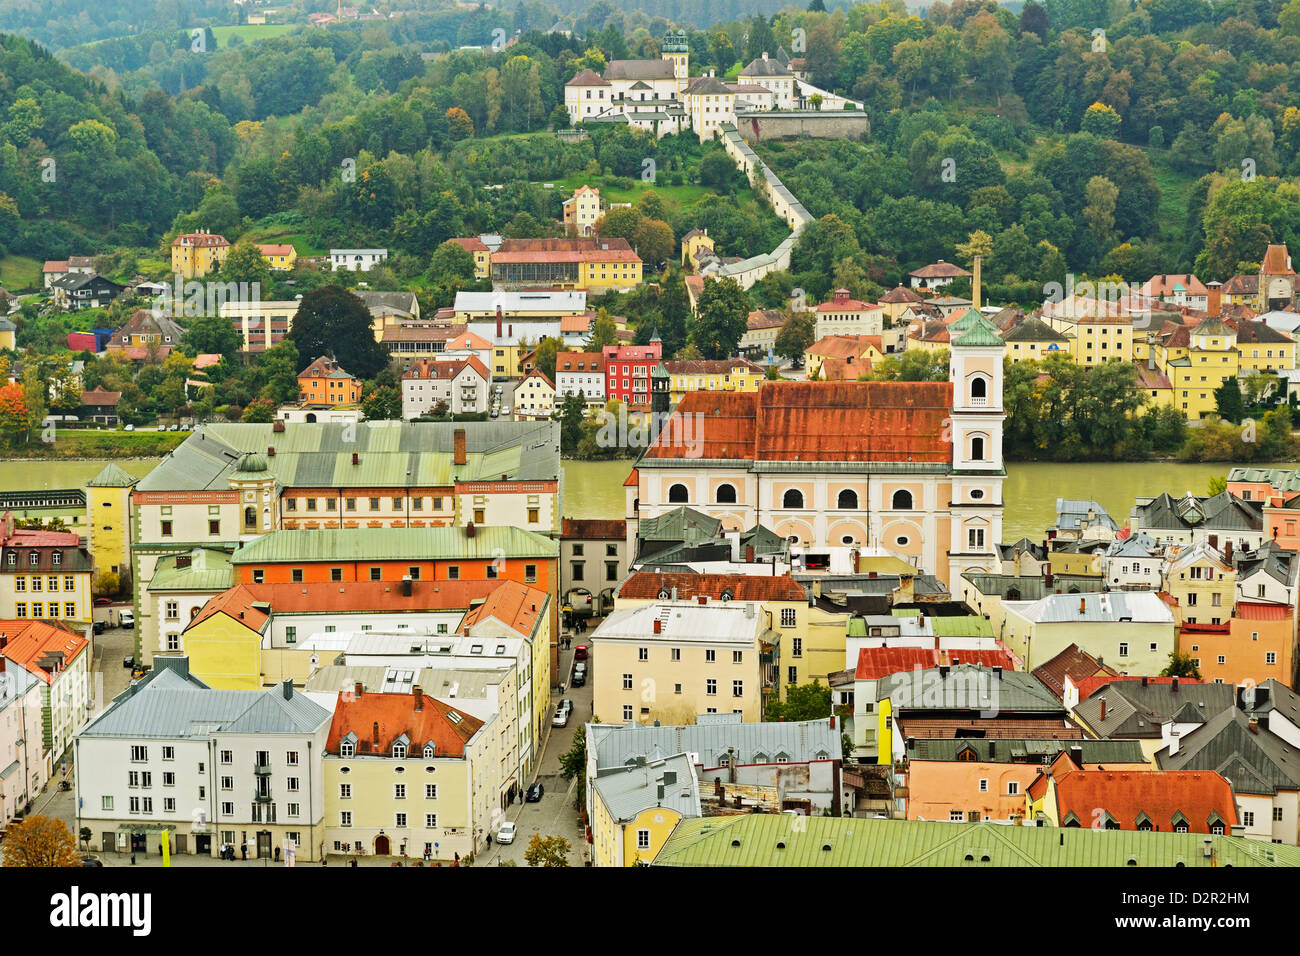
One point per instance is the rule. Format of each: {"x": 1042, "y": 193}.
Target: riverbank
{"x": 84, "y": 445}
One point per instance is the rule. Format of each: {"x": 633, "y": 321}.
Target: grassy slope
{"x": 252, "y": 34}
{"x": 20, "y": 274}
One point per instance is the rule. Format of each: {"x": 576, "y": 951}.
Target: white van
{"x": 127, "y": 620}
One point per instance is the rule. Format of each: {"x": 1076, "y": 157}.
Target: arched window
{"x": 793, "y": 498}
{"x": 847, "y": 500}
{"x": 726, "y": 494}
{"x": 678, "y": 495}
{"x": 902, "y": 501}
{"x": 428, "y": 751}
{"x": 250, "y": 516}
{"x": 979, "y": 387}
{"x": 977, "y": 448}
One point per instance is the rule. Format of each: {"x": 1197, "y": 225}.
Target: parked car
{"x": 127, "y": 620}
{"x": 128, "y": 662}
{"x": 91, "y": 861}
{"x": 99, "y": 627}
{"x": 561, "y": 718}
{"x": 566, "y": 705}
{"x": 580, "y": 653}
{"x": 129, "y": 428}
{"x": 579, "y": 674}
{"x": 506, "y": 834}
{"x": 534, "y": 793}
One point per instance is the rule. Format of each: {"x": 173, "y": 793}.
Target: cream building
{"x": 671, "y": 660}
{"x": 1132, "y": 631}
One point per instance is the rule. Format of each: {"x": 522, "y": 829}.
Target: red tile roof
{"x": 205, "y": 239}
{"x": 1162, "y": 285}
{"x": 334, "y": 598}
{"x": 813, "y": 421}
{"x": 1073, "y": 662}
{"x": 570, "y": 362}
{"x": 939, "y": 270}
{"x": 593, "y": 529}
{"x": 1276, "y": 261}
{"x": 379, "y": 719}
{"x": 633, "y": 479}
{"x": 565, "y": 250}
{"x": 516, "y": 605}
{"x": 1159, "y": 794}
{"x": 30, "y": 642}
{"x": 900, "y": 293}
{"x": 647, "y": 586}
{"x": 842, "y": 346}
{"x": 469, "y": 243}
{"x": 236, "y": 603}
{"x": 1250, "y": 611}
{"x": 877, "y": 662}
{"x": 275, "y": 249}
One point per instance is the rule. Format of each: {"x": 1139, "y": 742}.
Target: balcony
{"x": 262, "y": 797}
{"x": 262, "y": 769}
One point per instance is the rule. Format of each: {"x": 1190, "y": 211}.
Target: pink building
{"x": 627, "y": 372}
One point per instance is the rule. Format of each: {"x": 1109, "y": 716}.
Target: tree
{"x": 260, "y": 410}
{"x": 333, "y": 321}
{"x": 15, "y": 417}
{"x": 798, "y": 333}
{"x": 1218, "y": 485}
{"x": 688, "y": 353}
{"x": 1099, "y": 209}
{"x": 40, "y": 841}
{"x": 544, "y": 355}
{"x": 245, "y": 264}
{"x": 811, "y": 701}
{"x": 1228, "y": 400}
{"x": 459, "y": 125}
{"x": 604, "y": 331}
{"x": 1181, "y": 665}
{"x": 573, "y": 763}
{"x": 212, "y": 335}
{"x": 547, "y": 851}
{"x": 653, "y": 241}
{"x": 451, "y": 260}
{"x": 1101, "y": 120}
{"x": 978, "y": 243}
{"x": 383, "y": 397}
{"x": 571, "y": 413}
{"x": 723, "y": 317}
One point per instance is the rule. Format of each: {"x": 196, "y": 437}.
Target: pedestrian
{"x": 243, "y": 850}
{"x": 133, "y": 858}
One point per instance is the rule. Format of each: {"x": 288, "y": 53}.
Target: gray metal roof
{"x": 1032, "y": 587}
{"x": 170, "y": 706}
{"x": 1253, "y": 762}
{"x": 968, "y": 687}
{"x": 1221, "y": 512}
{"x": 800, "y": 740}
{"x": 1136, "y": 711}
{"x": 626, "y": 791}
{"x": 1103, "y": 606}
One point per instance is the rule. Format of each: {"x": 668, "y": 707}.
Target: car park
{"x": 506, "y": 834}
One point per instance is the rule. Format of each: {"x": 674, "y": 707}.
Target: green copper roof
{"x": 769, "y": 839}
{"x": 394, "y": 544}
{"x": 981, "y": 332}
{"x": 208, "y": 570}
{"x": 111, "y": 476}
{"x": 968, "y": 318}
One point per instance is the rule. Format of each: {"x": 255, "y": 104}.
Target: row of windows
{"x": 38, "y": 609}
{"x": 399, "y": 821}
{"x": 34, "y": 558}
{"x": 297, "y": 575}
{"x": 140, "y": 754}
{"x": 399, "y": 791}
{"x": 793, "y": 498}
{"x": 710, "y": 685}
{"x": 350, "y": 504}
{"x": 50, "y": 583}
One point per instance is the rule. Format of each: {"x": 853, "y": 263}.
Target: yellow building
{"x": 1099, "y": 339}
{"x": 672, "y": 660}
{"x": 8, "y": 335}
{"x": 479, "y": 250}
{"x": 811, "y": 641}
{"x": 1263, "y": 348}
{"x": 692, "y": 244}
{"x": 195, "y": 254}
{"x": 224, "y": 641}
{"x": 1034, "y": 340}
{"x": 1209, "y": 358}
{"x": 596, "y": 265}
{"x": 281, "y": 257}
{"x": 636, "y": 808}
{"x": 409, "y": 775}
{"x": 1077, "y": 557}
{"x": 108, "y": 518}
{"x": 1203, "y": 584}
{"x": 582, "y": 211}
{"x": 705, "y": 375}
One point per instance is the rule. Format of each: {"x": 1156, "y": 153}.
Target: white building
{"x": 357, "y": 260}
{"x": 535, "y": 397}
{"x": 461, "y": 386}
{"x": 775, "y": 77}
{"x": 580, "y": 372}
{"x": 1133, "y": 562}
{"x": 211, "y": 767}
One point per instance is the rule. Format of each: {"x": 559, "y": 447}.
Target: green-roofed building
{"x": 769, "y": 840}
{"x": 229, "y": 484}
{"x": 391, "y": 545}
{"x": 181, "y": 585}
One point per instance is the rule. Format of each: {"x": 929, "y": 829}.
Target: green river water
{"x": 594, "y": 489}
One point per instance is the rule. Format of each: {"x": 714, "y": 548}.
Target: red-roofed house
{"x": 1162, "y": 801}
{"x": 281, "y": 257}
{"x": 460, "y": 386}
{"x": 479, "y": 250}
{"x": 224, "y": 640}
{"x": 845, "y": 315}
{"x": 60, "y": 658}
{"x": 325, "y": 382}
{"x": 582, "y": 211}
{"x": 842, "y": 358}
{"x": 936, "y": 275}
{"x": 413, "y": 776}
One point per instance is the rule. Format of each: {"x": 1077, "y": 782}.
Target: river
{"x": 594, "y": 489}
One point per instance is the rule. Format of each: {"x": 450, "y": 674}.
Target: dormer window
{"x": 429, "y": 750}
{"x": 399, "y": 751}
{"x": 347, "y": 749}
{"x": 56, "y": 557}
{"x": 33, "y": 558}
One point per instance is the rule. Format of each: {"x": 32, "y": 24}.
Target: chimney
{"x": 270, "y": 451}
{"x": 659, "y": 626}
{"x": 458, "y": 455}
{"x": 356, "y": 459}
{"x": 975, "y": 285}
{"x": 1213, "y": 541}
{"x": 731, "y": 765}
{"x": 997, "y": 673}
{"x": 499, "y": 317}
{"x": 357, "y": 689}
{"x": 1102, "y": 702}
{"x": 817, "y": 587}
{"x": 417, "y": 692}
{"x": 832, "y": 719}
{"x": 287, "y": 688}
{"x": 375, "y": 734}
{"x": 1173, "y": 686}
{"x": 943, "y": 671}
{"x": 703, "y": 598}
{"x": 1227, "y": 552}
{"x": 1253, "y": 725}
{"x": 406, "y": 585}
{"x": 1145, "y": 681}
{"x": 749, "y": 554}
{"x": 1082, "y": 605}
{"x": 1076, "y": 754}
{"x": 469, "y": 530}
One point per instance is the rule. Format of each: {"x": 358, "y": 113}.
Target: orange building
{"x": 324, "y": 382}
{"x": 1162, "y": 801}
{"x": 977, "y": 779}
{"x": 1257, "y": 643}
